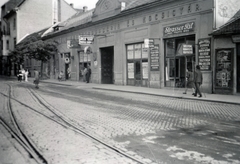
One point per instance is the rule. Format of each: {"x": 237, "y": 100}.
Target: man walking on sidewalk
{"x": 36, "y": 80}
{"x": 198, "y": 81}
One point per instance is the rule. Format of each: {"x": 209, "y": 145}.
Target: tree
{"x": 33, "y": 47}
{"x": 41, "y": 51}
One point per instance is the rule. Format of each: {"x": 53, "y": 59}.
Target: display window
{"x": 179, "y": 58}
{"x": 224, "y": 68}
{"x": 84, "y": 61}
{"x": 137, "y": 64}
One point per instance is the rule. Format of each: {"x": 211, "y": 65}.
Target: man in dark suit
{"x": 198, "y": 81}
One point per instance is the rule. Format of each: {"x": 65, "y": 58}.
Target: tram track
{"x": 62, "y": 120}
{"x": 18, "y": 134}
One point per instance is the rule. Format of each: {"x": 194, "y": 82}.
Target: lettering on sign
{"x": 86, "y": 39}
{"x": 179, "y": 29}
{"x": 154, "y": 56}
{"x": 204, "y": 54}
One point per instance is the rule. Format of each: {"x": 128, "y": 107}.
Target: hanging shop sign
{"x": 179, "y": 29}
{"x": 67, "y": 60}
{"x": 72, "y": 44}
{"x": 154, "y": 57}
{"x": 187, "y": 49}
{"x": 86, "y": 39}
{"x": 204, "y": 54}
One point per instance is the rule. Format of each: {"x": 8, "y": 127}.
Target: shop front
{"x": 137, "y": 65}
{"x": 179, "y": 58}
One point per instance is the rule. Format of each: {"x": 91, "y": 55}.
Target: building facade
{"x": 227, "y": 57}
{"x": 140, "y": 43}
{"x": 22, "y": 18}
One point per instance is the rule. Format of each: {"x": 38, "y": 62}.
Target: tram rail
{"x": 62, "y": 120}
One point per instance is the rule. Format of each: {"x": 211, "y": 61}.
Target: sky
{"x": 80, "y": 3}
{"x": 77, "y": 3}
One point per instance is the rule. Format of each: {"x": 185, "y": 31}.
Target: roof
{"x": 33, "y": 37}
{"x": 231, "y": 27}
{"x": 135, "y": 3}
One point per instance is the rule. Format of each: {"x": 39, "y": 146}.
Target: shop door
{"x": 107, "y": 65}
{"x": 138, "y": 75}
{"x": 238, "y": 68}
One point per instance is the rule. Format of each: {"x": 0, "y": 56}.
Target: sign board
{"x": 154, "y": 57}
{"x": 72, "y": 44}
{"x": 204, "y": 54}
{"x": 187, "y": 49}
{"x": 86, "y": 39}
{"x": 236, "y": 38}
{"x": 179, "y": 29}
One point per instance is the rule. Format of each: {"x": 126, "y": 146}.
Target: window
{"x": 137, "y": 64}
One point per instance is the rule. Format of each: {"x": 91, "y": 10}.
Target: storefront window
{"x": 224, "y": 68}
{"x": 177, "y": 61}
{"x": 137, "y": 63}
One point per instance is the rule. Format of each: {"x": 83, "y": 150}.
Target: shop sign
{"x": 86, "y": 39}
{"x": 154, "y": 57}
{"x": 204, "y": 54}
{"x": 236, "y": 38}
{"x": 179, "y": 29}
{"x": 187, "y": 49}
{"x": 67, "y": 60}
{"x": 72, "y": 44}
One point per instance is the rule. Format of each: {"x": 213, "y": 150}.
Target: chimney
{"x": 71, "y": 4}
{"x": 85, "y": 8}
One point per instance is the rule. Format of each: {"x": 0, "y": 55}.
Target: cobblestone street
{"x": 152, "y": 129}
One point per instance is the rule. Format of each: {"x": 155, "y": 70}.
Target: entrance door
{"x": 107, "y": 65}
{"x": 238, "y": 68}
{"x": 66, "y": 71}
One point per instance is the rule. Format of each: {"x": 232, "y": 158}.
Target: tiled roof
{"x": 231, "y": 27}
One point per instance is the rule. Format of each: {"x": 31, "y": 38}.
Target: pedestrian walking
{"x": 23, "y": 74}
{"x": 198, "y": 81}
{"x": 26, "y": 75}
{"x": 189, "y": 81}
{"x": 36, "y": 78}
{"x": 88, "y": 74}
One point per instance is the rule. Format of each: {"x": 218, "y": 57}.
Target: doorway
{"x": 107, "y": 58}
{"x": 66, "y": 71}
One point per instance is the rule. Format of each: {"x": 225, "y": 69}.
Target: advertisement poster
{"x": 154, "y": 58}
{"x": 225, "y": 10}
{"x": 204, "y": 54}
{"x": 224, "y": 68}
{"x": 145, "y": 70}
{"x": 131, "y": 70}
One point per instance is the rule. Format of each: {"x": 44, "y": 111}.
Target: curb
{"x": 171, "y": 96}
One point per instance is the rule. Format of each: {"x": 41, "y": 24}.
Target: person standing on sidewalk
{"x": 198, "y": 81}
{"x": 26, "y": 75}
{"x": 190, "y": 81}
{"x": 89, "y": 71}
{"x": 36, "y": 80}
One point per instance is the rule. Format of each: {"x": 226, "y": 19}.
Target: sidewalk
{"x": 166, "y": 92}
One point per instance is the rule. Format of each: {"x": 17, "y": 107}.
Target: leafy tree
{"x": 33, "y": 47}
